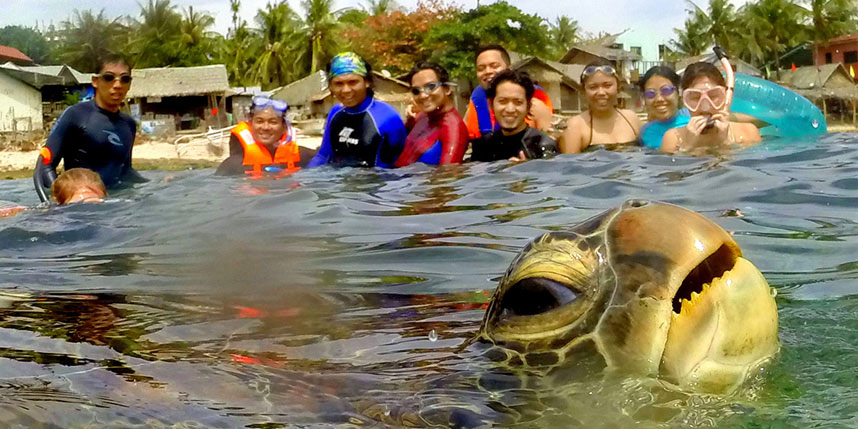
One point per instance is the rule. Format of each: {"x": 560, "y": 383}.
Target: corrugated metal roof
{"x": 179, "y": 81}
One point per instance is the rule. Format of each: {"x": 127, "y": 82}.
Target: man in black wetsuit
{"x": 93, "y": 134}
{"x": 511, "y": 94}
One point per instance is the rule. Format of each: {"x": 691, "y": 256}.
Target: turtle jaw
{"x": 722, "y": 331}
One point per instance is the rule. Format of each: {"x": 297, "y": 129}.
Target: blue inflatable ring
{"x": 788, "y": 113}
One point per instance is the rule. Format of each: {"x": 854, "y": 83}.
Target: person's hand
{"x": 521, "y": 157}
{"x": 411, "y": 110}
{"x": 697, "y": 125}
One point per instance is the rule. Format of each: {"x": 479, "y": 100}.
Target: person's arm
{"x": 232, "y": 164}
{"x": 129, "y": 174}
{"x": 50, "y": 155}
{"x": 542, "y": 116}
{"x": 454, "y": 140}
{"x": 571, "y": 140}
{"x": 670, "y": 141}
{"x": 323, "y": 156}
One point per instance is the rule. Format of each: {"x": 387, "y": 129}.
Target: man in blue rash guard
{"x": 93, "y": 134}
{"x": 361, "y": 131}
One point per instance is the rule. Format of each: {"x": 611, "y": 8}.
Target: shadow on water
{"x": 348, "y": 297}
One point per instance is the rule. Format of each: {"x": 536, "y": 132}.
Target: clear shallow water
{"x": 345, "y": 298}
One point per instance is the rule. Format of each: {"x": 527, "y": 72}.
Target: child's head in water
{"x": 78, "y": 185}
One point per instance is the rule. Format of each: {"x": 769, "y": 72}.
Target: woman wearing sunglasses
{"x": 704, "y": 93}
{"x": 265, "y": 143}
{"x": 660, "y": 89}
{"x": 439, "y": 136}
{"x": 603, "y": 123}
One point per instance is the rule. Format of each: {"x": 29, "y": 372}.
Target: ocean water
{"x": 346, "y": 298}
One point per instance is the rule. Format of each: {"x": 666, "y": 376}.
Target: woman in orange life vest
{"x": 264, "y": 144}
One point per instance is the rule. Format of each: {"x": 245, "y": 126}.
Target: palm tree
{"x": 831, "y": 18}
{"x": 277, "y": 62}
{"x": 380, "y": 7}
{"x": 564, "y": 33}
{"x": 197, "y": 42}
{"x": 694, "y": 38}
{"x": 156, "y": 41}
{"x": 320, "y": 28}
{"x": 770, "y": 27}
{"x": 87, "y": 38}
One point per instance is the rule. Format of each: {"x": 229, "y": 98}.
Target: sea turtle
{"x": 647, "y": 288}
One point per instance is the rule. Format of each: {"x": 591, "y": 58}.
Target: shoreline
{"x": 154, "y": 154}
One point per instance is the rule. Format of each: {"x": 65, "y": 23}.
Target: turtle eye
{"x": 535, "y": 295}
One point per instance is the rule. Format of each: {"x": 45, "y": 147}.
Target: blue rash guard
{"x": 653, "y": 131}
{"x": 88, "y": 136}
{"x": 367, "y": 135}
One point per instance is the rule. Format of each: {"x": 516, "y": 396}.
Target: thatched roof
{"x": 179, "y": 81}
{"x": 571, "y": 73}
{"x": 39, "y": 76}
{"x": 604, "y": 48}
{"x": 824, "y": 81}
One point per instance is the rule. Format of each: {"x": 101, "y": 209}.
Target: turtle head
{"x": 650, "y": 288}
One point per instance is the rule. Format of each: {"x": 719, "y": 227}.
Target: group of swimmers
{"x": 508, "y": 117}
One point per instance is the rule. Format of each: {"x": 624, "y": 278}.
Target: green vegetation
{"x": 283, "y": 44}
{"x": 761, "y": 31}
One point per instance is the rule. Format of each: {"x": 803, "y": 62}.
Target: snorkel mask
{"x": 718, "y": 97}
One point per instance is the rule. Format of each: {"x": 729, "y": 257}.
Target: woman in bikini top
{"x": 603, "y": 123}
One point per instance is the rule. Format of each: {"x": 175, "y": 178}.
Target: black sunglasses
{"x": 109, "y": 77}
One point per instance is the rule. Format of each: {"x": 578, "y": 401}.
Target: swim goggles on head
{"x": 110, "y": 77}
{"x": 261, "y": 102}
{"x": 426, "y": 89}
{"x": 665, "y": 91}
{"x": 693, "y": 98}
{"x": 591, "y": 70}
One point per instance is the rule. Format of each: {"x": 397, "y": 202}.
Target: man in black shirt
{"x": 511, "y": 94}
{"x": 93, "y": 134}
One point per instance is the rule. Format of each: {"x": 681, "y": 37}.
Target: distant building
{"x": 15, "y": 56}
{"x": 560, "y": 81}
{"x": 828, "y": 85}
{"x": 607, "y": 48}
{"x": 20, "y": 104}
{"x": 738, "y": 65}
{"x": 179, "y": 98}
{"x": 843, "y": 50}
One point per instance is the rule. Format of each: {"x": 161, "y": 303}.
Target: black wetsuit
{"x": 88, "y": 136}
{"x": 495, "y": 145}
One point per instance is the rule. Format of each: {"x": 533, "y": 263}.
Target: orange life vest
{"x": 257, "y": 155}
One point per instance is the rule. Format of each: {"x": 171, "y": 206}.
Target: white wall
{"x": 19, "y": 100}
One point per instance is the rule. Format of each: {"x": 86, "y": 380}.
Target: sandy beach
{"x": 187, "y": 149}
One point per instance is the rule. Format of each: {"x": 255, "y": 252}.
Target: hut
{"x": 738, "y": 65}
{"x": 829, "y": 85}
{"x": 179, "y": 98}
{"x": 559, "y": 81}
{"x": 606, "y": 48}
{"x": 20, "y": 102}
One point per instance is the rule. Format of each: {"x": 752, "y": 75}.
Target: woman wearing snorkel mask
{"x": 603, "y": 123}
{"x": 265, "y": 143}
{"x": 704, "y": 93}
{"x": 438, "y": 136}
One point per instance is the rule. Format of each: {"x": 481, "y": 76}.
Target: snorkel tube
{"x": 731, "y": 83}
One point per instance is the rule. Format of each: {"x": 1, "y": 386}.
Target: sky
{"x": 647, "y": 23}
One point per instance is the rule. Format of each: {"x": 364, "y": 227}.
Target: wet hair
{"x": 367, "y": 78}
{"x": 701, "y": 69}
{"x": 73, "y": 180}
{"x": 493, "y": 47}
{"x": 112, "y": 59}
{"x": 598, "y": 62}
{"x": 517, "y": 77}
{"x": 663, "y": 71}
{"x": 442, "y": 74}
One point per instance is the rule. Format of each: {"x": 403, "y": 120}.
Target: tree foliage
{"x": 397, "y": 40}
{"x": 500, "y": 23}
{"x": 86, "y": 38}
{"x": 27, "y": 40}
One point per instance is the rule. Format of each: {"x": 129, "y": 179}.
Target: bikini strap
{"x": 627, "y": 121}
